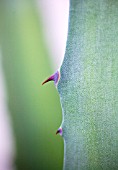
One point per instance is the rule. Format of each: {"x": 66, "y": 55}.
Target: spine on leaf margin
{"x": 88, "y": 86}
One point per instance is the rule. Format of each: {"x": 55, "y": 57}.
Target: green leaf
{"x": 26, "y": 62}
{"x": 88, "y": 86}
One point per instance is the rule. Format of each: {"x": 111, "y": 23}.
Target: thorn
{"x": 59, "y": 131}
{"x": 55, "y": 77}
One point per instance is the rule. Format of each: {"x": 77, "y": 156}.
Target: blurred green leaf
{"x": 35, "y": 110}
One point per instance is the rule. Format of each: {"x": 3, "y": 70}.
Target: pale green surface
{"x": 88, "y": 86}
{"x": 35, "y": 109}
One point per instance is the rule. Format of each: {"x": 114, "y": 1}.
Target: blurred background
{"x": 32, "y": 44}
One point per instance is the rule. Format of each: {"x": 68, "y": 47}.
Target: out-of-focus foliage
{"x": 35, "y": 110}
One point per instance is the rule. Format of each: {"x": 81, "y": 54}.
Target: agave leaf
{"x": 26, "y": 62}
{"x": 88, "y": 86}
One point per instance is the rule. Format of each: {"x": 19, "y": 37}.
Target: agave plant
{"x": 88, "y": 86}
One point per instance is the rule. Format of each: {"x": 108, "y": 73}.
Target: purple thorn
{"x": 59, "y": 131}
{"x": 55, "y": 77}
